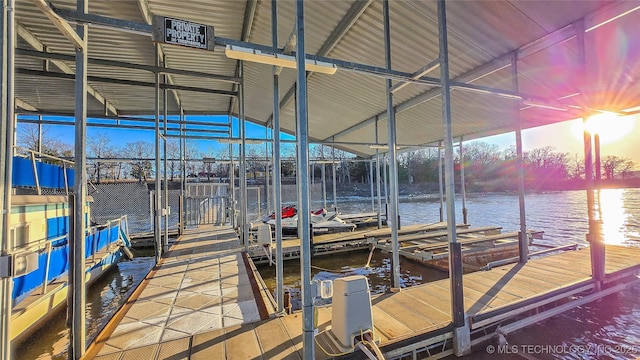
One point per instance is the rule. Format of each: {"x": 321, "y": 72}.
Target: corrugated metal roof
{"x": 344, "y": 106}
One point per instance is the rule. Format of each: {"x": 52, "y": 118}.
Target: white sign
{"x": 181, "y": 32}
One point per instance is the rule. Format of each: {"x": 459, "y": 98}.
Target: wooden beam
{"x": 60, "y": 23}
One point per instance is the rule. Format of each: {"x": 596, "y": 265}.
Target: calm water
{"x": 562, "y": 216}
{"x": 105, "y": 296}
{"x": 592, "y": 331}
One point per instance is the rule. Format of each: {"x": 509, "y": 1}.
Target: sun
{"x": 609, "y": 126}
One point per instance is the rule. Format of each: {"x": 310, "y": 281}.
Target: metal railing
{"x": 47, "y": 245}
{"x": 200, "y": 210}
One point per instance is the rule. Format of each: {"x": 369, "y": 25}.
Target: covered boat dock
{"x": 383, "y": 74}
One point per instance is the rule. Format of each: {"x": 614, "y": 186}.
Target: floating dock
{"x": 197, "y": 304}
{"x": 421, "y": 242}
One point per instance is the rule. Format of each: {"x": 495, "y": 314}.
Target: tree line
{"x": 484, "y": 163}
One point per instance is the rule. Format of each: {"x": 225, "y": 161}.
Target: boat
{"x": 322, "y": 221}
{"x": 39, "y": 229}
{"x": 287, "y": 212}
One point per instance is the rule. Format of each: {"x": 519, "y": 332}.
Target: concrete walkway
{"x": 200, "y": 285}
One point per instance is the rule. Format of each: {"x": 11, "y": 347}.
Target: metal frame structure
{"x": 232, "y": 85}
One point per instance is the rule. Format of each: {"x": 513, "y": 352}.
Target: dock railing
{"x": 97, "y": 238}
{"x": 205, "y": 204}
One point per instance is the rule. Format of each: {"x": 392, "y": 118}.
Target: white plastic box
{"x": 351, "y": 310}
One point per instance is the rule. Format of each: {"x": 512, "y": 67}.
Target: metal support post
{"x": 183, "y": 171}
{"x": 378, "y": 180}
{"x": 302, "y": 141}
{"x": 267, "y": 170}
{"x": 378, "y": 188}
{"x": 463, "y": 186}
{"x": 523, "y": 245}
{"x": 39, "y": 134}
{"x": 157, "y": 215}
{"x": 598, "y": 161}
{"x": 393, "y": 163}
{"x": 80, "y": 181}
{"x": 165, "y": 240}
{"x": 335, "y": 183}
{"x": 373, "y": 204}
{"x": 7, "y": 108}
{"x": 324, "y": 179}
{"x": 462, "y": 336}
{"x": 244, "y": 223}
{"x": 440, "y": 184}
{"x": 232, "y": 179}
{"x": 385, "y": 173}
{"x": 277, "y": 180}
{"x": 596, "y": 242}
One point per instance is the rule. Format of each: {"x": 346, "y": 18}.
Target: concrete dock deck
{"x": 201, "y": 284}
{"x": 227, "y": 324}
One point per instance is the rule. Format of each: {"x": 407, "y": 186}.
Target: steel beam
{"x": 523, "y": 245}
{"x": 486, "y": 69}
{"x": 117, "y": 121}
{"x": 596, "y": 242}
{"x": 78, "y": 329}
{"x": 165, "y": 105}
{"x": 52, "y": 74}
{"x": 118, "y": 64}
{"x": 143, "y": 5}
{"x": 232, "y": 178}
{"x": 7, "y": 95}
{"x": 333, "y": 175}
{"x": 157, "y": 205}
{"x": 304, "y": 234}
{"x": 247, "y": 24}
{"x": 463, "y": 186}
{"x": 277, "y": 179}
{"x": 346, "y": 23}
{"x": 324, "y": 179}
{"x": 126, "y": 126}
{"x": 455, "y": 257}
{"x": 432, "y": 66}
{"x": 244, "y": 236}
{"x": 393, "y": 158}
{"x": 35, "y": 43}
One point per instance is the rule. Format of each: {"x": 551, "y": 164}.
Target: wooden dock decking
{"x": 405, "y": 321}
{"x": 352, "y": 240}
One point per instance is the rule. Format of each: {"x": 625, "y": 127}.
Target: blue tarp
{"x": 49, "y": 175}
{"x": 59, "y": 261}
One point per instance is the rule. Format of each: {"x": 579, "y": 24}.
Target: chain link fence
{"x": 112, "y": 200}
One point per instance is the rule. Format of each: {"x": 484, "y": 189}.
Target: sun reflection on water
{"x": 613, "y": 214}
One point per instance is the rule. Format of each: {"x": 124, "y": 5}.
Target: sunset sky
{"x": 618, "y": 139}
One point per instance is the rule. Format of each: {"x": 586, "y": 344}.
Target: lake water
{"x": 561, "y": 215}
{"x": 104, "y": 298}
{"x": 608, "y": 329}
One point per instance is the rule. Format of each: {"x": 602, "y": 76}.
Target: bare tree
{"x": 173, "y": 152}
{"x": 140, "y": 152}
{"x": 626, "y": 168}
{"x": 615, "y": 164}
{"x": 28, "y": 138}
{"x": 99, "y": 146}
{"x": 576, "y": 169}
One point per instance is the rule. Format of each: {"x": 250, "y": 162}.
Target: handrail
{"x": 43, "y": 155}
{"x": 49, "y": 245}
